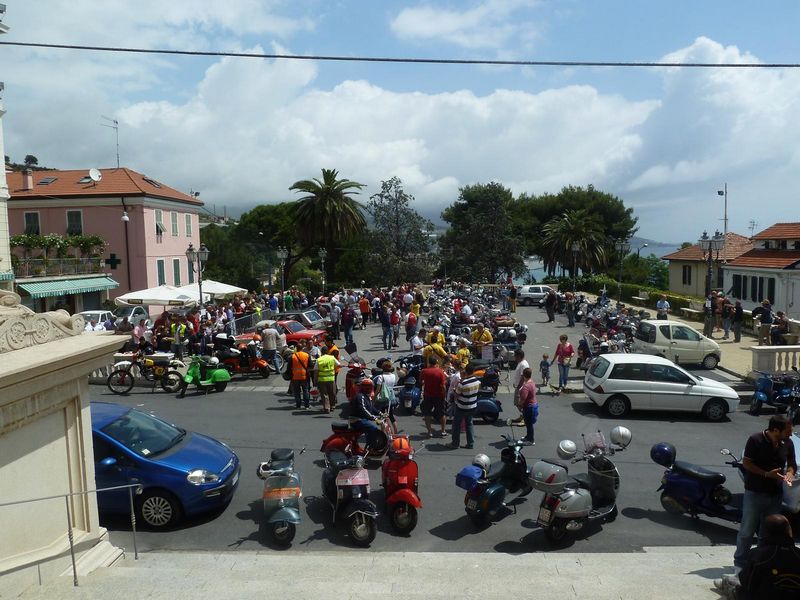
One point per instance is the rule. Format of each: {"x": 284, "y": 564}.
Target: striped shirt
{"x": 467, "y": 393}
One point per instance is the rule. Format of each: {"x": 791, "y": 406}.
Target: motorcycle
{"x": 487, "y": 485}
{"x": 400, "y": 480}
{"x": 780, "y": 392}
{"x": 345, "y": 438}
{"x": 205, "y": 373}
{"x": 245, "y": 358}
{"x": 156, "y": 368}
{"x": 572, "y": 501}
{"x": 345, "y": 485}
{"x": 282, "y": 491}
{"x": 410, "y": 394}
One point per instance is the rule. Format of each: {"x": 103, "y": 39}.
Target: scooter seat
{"x": 279, "y": 465}
{"x": 338, "y": 460}
{"x": 699, "y": 473}
{"x": 340, "y": 426}
{"x": 282, "y": 454}
{"x": 495, "y": 470}
{"x": 583, "y": 480}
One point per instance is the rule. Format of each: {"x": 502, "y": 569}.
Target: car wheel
{"x": 158, "y": 509}
{"x": 120, "y": 381}
{"x": 526, "y": 302}
{"x": 715, "y": 410}
{"x": 618, "y": 406}
{"x": 710, "y": 362}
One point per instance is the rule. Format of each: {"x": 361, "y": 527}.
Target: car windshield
{"x": 144, "y": 434}
{"x": 123, "y": 311}
{"x": 600, "y": 367}
{"x": 294, "y": 326}
{"x": 313, "y": 315}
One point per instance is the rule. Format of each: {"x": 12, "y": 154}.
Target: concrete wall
{"x": 698, "y": 284}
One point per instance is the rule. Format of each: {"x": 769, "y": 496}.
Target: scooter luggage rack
{"x": 594, "y": 441}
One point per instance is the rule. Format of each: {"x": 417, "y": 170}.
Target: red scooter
{"x": 245, "y": 358}
{"x": 345, "y": 439}
{"x": 355, "y": 373}
{"x": 400, "y": 480}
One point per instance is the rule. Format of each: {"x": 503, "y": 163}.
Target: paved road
{"x": 255, "y": 416}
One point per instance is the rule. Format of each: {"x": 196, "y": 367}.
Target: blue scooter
{"x": 282, "y": 491}
{"x": 778, "y": 391}
{"x": 688, "y": 488}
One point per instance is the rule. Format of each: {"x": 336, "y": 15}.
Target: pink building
{"x": 146, "y": 225}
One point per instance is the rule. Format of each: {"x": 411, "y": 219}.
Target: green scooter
{"x": 206, "y": 373}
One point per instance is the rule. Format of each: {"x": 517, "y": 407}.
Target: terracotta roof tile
{"x": 780, "y": 231}
{"x": 767, "y": 259}
{"x": 115, "y": 182}
{"x": 735, "y": 245}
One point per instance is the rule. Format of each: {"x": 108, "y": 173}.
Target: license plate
{"x": 545, "y": 515}
{"x": 472, "y": 504}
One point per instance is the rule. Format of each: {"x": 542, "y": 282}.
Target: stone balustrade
{"x": 775, "y": 359}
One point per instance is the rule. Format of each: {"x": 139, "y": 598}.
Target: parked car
{"x": 100, "y": 316}
{"x": 620, "y": 383}
{"x": 182, "y": 473}
{"x": 292, "y": 330}
{"x": 134, "y": 313}
{"x": 307, "y": 316}
{"x": 677, "y": 342}
{"x": 528, "y": 295}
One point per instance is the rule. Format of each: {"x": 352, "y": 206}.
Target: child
{"x": 544, "y": 369}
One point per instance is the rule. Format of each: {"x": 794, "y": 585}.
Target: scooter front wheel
{"x": 755, "y": 407}
{"x": 672, "y": 505}
{"x": 489, "y": 417}
{"x": 362, "y": 529}
{"x": 404, "y": 517}
{"x": 171, "y": 381}
{"x": 557, "y": 532}
{"x": 283, "y": 532}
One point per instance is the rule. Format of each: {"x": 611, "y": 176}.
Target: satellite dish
{"x": 95, "y": 175}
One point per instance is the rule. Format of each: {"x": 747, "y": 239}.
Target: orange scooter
{"x": 400, "y": 480}
{"x": 245, "y": 358}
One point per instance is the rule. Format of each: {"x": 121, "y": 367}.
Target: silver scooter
{"x": 571, "y": 501}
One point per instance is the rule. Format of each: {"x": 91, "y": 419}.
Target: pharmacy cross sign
{"x": 112, "y": 261}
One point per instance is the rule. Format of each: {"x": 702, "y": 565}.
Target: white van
{"x": 623, "y": 382}
{"x": 677, "y": 342}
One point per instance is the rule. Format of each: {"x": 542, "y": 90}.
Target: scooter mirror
{"x": 725, "y": 451}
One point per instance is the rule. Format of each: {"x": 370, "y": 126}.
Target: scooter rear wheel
{"x": 264, "y": 372}
{"x": 362, "y": 529}
{"x": 171, "y": 381}
{"x": 755, "y": 407}
{"x": 404, "y": 517}
{"x": 283, "y": 532}
{"x": 557, "y": 532}
{"x": 479, "y": 519}
{"x": 220, "y": 386}
{"x": 489, "y": 417}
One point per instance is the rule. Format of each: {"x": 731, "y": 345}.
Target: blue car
{"x": 182, "y": 473}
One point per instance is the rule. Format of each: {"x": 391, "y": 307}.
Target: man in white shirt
{"x": 522, "y": 364}
{"x": 417, "y": 344}
{"x": 466, "y": 310}
{"x": 94, "y": 326}
{"x": 662, "y": 307}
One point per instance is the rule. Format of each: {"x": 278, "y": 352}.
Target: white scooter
{"x": 571, "y": 501}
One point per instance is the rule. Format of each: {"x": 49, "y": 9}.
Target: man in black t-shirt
{"x": 768, "y": 462}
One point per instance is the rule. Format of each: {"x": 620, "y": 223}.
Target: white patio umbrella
{"x": 163, "y": 295}
{"x": 212, "y": 288}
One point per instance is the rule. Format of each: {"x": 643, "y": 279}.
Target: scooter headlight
{"x": 201, "y": 476}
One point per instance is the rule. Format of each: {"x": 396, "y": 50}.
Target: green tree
{"x": 573, "y": 227}
{"x": 480, "y": 243}
{"x": 399, "y": 235}
{"x": 31, "y": 160}
{"x": 263, "y": 230}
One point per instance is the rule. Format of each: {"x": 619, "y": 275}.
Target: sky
{"x": 241, "y": 131}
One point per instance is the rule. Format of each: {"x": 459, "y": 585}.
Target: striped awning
{"x": 6, "y": 276}
{"x": 66, "y": 287}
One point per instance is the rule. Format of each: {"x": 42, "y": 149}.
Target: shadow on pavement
{"x": 716, "y": 533}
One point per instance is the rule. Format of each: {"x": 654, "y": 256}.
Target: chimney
{"x": 27, "y": 180}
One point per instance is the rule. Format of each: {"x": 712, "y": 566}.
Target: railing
{"x": 42, "y": 267}
{"x": 775, "y": 359}
{"x": 246, "y": 323}
{"x": 70, "y": 536}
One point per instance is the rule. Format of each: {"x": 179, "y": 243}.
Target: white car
{"x": 100, "y": 316}
{"x": 134, "y": 313}
{"x": 620, "y": 383}
{"x": 677, "y": 342}
{"x": 529, "y": 295}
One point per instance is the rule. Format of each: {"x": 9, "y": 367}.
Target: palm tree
{"x": 327, "y": 215}
{"x": 573, "y": 226}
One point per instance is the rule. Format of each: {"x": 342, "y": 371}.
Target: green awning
{"x": 66, "y": 287}
{"x": 6, "y": 276}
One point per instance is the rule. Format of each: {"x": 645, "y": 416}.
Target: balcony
{"x": 53, "y": 267}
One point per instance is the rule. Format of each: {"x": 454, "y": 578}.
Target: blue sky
{"x": 241, "y": 131}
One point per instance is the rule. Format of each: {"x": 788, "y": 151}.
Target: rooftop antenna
{"x": 752, "y": 226}
{"x": 95, "y": 175}
{"x": 115, "y": 126}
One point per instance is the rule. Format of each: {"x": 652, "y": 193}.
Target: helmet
{"x": 400, "y": 447}
{"x": 663, "y": 454}
{"x": 567, "y": 449}
{"x": 482, "y": 461}
{"x": 214, "y": 361}
{"x": 621, "y": 436}
{"x": 366, "y": 384}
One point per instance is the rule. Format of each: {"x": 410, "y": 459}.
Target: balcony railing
{"x": 41, "y": 267}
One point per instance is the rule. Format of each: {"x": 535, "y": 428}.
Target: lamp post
{"x": 322, "y": 254}
{"x": 639, "y": 249}
{"x": 199, "y": 256}
{"x": 623, "y": 247}
{"x": 724, "y": 192}
{"x": 710, "y": 246}
{"x": 282, "y": 255}
{"x": 575, "y": 247}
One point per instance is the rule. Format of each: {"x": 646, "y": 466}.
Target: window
{"x": 664, "y": 329}
{"x": 47, "y": 180}
{"x": 160, "y": 267}
{"x": 685, "y": 333}
{"x": 766, "y": 245}
{"x": 85, "y": 179}
{"x": 754, "y": 289}
{"x": 796, "y": 245}
{"x": 736, "y": 287}
{"x": 173, "y": 217}
{"x": 668, "y": 374}
{"x": 600, "y": 367}
{"x": 646, "y": 332}
{"x": 152, "y": 182}
{"x": 176, "y": 271}
{"x": 188, "y": 225}
{"x": 628, "y": 371}
{"x": 160, "y": 229}
{"x": 686, "y": 275}
{"x": 782, "y": 244}
{"x": 74, "y": 222}
{"x": 32, "y": 223}
{"x": 771, "y": 290}
{"x": 190, "y": 271}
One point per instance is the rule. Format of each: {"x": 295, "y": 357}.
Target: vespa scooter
{"x": 345, "y": 485}
{"x": 777, "y": 391}
{"x": 400, "y": 480}
{"x": 570, "y": 502}
{"x": 282, "y": 492}
{"x": 487, "y": 484}
{"x": 345, "y": 439}
{"x": 206, "y": 373}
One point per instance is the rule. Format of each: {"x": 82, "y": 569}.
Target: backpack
{"x": 385, "y": 397}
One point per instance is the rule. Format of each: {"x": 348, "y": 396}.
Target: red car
{"x": 293, "y": 330}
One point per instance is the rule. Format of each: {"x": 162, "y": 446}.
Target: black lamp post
{"x": 623, "y": 247}
{"x": 710, "y": 247}
{"x": 322, "y": 254}
{"x": 638, "y": 250}
{"x": 575, "y": 247}
{"x": 282, "y": 255}
{"x": 200, "y": 257}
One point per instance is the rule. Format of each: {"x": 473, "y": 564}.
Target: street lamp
{"x": 322, "y": 254}
{"x": 200, "y": 257}
{"x": 282, "y": 255}
{"x": 639, "y": 249}
{"x": 623, "y": 247}
{"x": 710, "y": 247}
{"x": 575, "y": 247}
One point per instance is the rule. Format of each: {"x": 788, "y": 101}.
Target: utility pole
{"x": 752, "y": 226}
